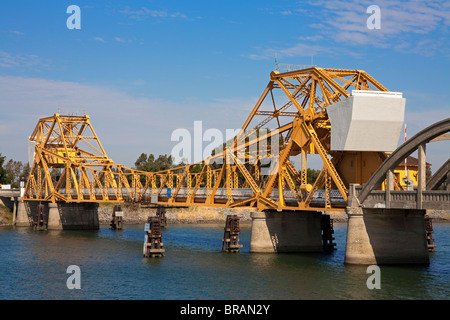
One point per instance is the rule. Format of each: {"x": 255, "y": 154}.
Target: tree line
{"x": 164, "y": 162}
{"x": 12, "y": 171}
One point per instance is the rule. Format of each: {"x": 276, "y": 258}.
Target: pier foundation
{"x": 61, "y": 216}
{"x": 286, "y": 231}
{"x": 54, "y": 219}
{"x": 386, "y": 236}
{"x": 21, "y": 218}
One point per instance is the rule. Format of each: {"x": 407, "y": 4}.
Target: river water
{"x": 34, "y": 265}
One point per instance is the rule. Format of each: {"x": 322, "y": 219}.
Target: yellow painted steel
{"x": 71, "y": 165}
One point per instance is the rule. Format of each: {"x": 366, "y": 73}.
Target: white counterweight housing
{"x": 367, "y": 121}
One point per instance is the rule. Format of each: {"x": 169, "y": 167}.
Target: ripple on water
{"x": 34, "y": 266}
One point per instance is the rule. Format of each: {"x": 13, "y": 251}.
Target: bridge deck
{"x": 220, "y": 198}
{"x": 9, "y": 193}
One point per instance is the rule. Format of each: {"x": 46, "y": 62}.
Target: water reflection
{"x": 34, "y": 265}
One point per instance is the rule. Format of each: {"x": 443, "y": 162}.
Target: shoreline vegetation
{"x": 136, "y": 214}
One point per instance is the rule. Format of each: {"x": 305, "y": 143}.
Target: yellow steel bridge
{"x": 295, "y": 105}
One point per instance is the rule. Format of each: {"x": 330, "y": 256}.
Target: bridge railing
{"x": 431, "y": 199}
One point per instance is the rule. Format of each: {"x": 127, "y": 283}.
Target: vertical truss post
{"x": 208, "y": 181}
{"x": 304, "y": 168}
{"x": 257, "y": 172}
{"x": 281, "y": 185}
{"x": 327, "y": 190}
{"x": 229, "y": 179}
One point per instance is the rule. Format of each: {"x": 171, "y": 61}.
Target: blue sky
{"x": 142, "y": 69}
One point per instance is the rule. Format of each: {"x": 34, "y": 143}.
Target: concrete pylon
{"x": 22, "y": 219}
{"x": 54, "y": 219}
{"x": 286, "y": 231}
{"x": 386, "y": 236}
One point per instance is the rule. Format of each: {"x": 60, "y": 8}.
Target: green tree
{"x": 164, "y": 162}
{"x": 144, "y": 163}
{"x": 312, "y": 175}
{"x": 25, "y": 171}
{"x": 3, "y": 174}
{"x": 14, "y": 171}
{"x": 150, "y": 164}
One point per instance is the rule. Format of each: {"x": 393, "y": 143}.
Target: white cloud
{"x": 127, "y": 126}
{"x": 8, "y": 60}
{"x": 300, "y": 49}
{"x": 414, "y": 26}
{"x": 316, "y": 37}
{"x": 144, "y": 12}
{"x": 120, "y": 39}
{"x": 16, "y": 32}
{"x": 412, "y": 20}
{"x": 99, "y": 39}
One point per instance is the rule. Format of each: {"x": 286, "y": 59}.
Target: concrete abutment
{"x": 60, "y": 216}
{"x": 286, "y": 231}
{"x": 386, "y": 236}
{"x": 21, "y": 218}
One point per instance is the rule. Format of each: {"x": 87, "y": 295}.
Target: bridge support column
{"x": 21, "y": 219}
{"x": 54, "y": 219}
{"x": 422, "y": 183}
{"x": 386, "y": 236}
{"x": 67, "y": 216}
{"x": 79, "y": 216}
{"x": 14, "y": 214}
{"x": 286, "y": 231}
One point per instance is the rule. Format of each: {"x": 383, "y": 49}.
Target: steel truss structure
{"x": 256, "y": 169}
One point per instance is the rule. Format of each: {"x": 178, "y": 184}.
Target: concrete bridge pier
{"x": 54, "y": 219}
{"x": 21, "y": 218}
{"x": 61, "y": 216}
{"x": 286, "y": 231}
{"x": 386, "y": 236}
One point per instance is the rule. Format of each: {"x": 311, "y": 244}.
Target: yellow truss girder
{"x": 294, "y": 103}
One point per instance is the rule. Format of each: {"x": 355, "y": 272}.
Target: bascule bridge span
{"x": 346, "y": 118}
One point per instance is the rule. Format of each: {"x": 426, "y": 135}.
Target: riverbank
{"x": 5, "y": 216}
{"x": 136, "y": 214}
